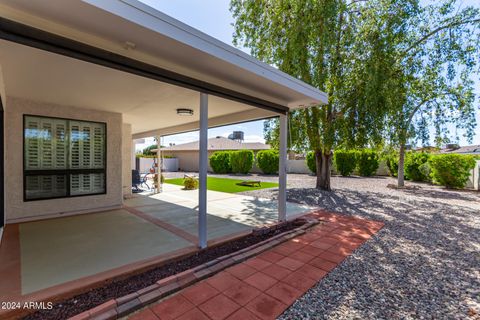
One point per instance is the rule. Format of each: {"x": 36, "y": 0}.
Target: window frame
{"x": 66, "y": 172}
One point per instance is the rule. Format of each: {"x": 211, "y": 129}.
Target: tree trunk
{"x": 401, "y": 164}
{"x": 323, "y": 163}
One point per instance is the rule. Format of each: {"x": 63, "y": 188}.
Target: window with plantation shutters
{"x": 63, "y": 157}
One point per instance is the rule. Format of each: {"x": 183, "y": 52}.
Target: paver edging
{"x": 119, "y": 307}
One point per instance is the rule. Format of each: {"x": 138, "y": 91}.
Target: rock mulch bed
{"x": 136, "y": 283}
{"x": 424, "y": 264}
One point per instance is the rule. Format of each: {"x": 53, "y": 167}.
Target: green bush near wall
{"x": 345, "y": 161}
{"x": 451, "y": 170}
{"x": 241, "y": 161}
{"x": 268, "y": 160}
{"x": 367, "y": 162}
{"x": 311, "y": 164}
{"x": 220, "y": 162}
{"x": 415, "y": 166}
{"x": 391, "y": 160}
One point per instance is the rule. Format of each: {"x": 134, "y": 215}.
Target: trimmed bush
{"x": 311, "y": 164}
{"x": 413, "y": 162}
{"x": 241, "y": 161}
{"x": 426, "y": 170}
{"x": 220, "y": 162}
{"x": 190, "y": 183}
{"x": 367, "y": 161}
{"x": 391, "y": 160}
{"x": 267, "y": 161}
{"x": 345, "y": 161}
{"x": 451, "y": 170}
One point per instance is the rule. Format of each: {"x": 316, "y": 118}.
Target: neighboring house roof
{"x": 218, "y": 143}
{"x": 474, "y": 149}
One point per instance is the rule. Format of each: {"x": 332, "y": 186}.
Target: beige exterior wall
{"x": 16, "y": 208}
{"x": 127, "y": 159}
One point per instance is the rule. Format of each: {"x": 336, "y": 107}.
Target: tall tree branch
{"x": 435, "y": 31}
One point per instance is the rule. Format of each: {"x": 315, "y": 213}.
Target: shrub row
{"x": 365, "y": 161}
{"x": 240, "y": 161}
{"x": 449, "y": 170}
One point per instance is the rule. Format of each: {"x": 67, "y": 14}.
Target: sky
{"x": 214, "y": 18}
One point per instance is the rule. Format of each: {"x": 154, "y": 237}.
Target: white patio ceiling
{"x": 146, "y": 104}
{"x": 160, "y": 41}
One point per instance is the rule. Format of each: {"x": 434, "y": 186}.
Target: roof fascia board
{"x": 33, "y": 37}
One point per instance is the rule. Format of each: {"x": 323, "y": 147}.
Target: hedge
{"x": 267, "y": 161}
{"x": 414, "y": 166}
{"x": 241, "y": 161}
{"x": 345, "y": 161}
{"x": 367, "y": 161}
{"x": 220, "y": 162}
{"x": 391, "y": 160}
{"x": 311, "y": 162}
{"x": 451, "y": 170}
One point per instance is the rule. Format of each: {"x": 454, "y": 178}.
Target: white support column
{"x": 202, "y": 172}
{"x": 158, "y": 170}
{"x": 282, "y": 170}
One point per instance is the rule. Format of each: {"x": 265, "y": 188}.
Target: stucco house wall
{"x": 16, "y": 209}
{"x": 126, "y": 159}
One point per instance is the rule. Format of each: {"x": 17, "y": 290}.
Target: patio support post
{"x": 282, "y": 170}
{"x": 159, "y": 165}
{"x": 202, "y": 173}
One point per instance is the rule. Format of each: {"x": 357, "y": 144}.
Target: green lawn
{"x": 225, "y": 184}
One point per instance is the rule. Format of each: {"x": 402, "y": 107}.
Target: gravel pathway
{"x": 424, "y": 264}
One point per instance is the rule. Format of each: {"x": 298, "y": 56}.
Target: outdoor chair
{"x": 138, "y": 181}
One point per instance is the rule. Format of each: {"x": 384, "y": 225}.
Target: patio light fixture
{"x": 184, "y": 112}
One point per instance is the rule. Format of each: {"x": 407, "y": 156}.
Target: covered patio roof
{"x": 107, "y": 55}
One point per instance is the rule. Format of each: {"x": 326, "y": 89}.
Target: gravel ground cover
{"x": 424, "y": 264}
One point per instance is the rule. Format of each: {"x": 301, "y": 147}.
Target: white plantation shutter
{"x": 87, "y": 183}
{"x": 60, "y": 144}
{"x": 87, "y": 142}
{"x": 98, "y": 146}
{"x": 32, "y": 143}
{"x": 45, "y": 143}
{"x": 46, "y": 186}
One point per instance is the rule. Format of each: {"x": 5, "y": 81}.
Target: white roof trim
{"x": 150, "y": 18}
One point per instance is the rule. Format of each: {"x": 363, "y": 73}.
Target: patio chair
{"x": 138, "y": 181}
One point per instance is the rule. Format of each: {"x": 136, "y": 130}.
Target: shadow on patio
{"x": 43, "y": 259}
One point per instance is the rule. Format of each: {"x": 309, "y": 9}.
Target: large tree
{"x": 388, "y": 66}
{"x": 436, "y": 55}
{"x": 320, "y": 42}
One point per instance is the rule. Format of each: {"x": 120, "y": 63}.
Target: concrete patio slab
{"x": 64, "y": 249}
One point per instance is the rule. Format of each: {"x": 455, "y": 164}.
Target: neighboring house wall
{"x": 297, "y": 166}
{"x": 169, "y": 164}
{"x": 474, "y": 179}
{"x": 16, "y": 208}
{"x": 126, "y": 159}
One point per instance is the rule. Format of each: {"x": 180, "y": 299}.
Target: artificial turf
{"x": 225, "y": 184}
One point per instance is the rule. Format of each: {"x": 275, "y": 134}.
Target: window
{"x": 63, "y": 158}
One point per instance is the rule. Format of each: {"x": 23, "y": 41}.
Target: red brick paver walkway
{"x": 265, "y": 286}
